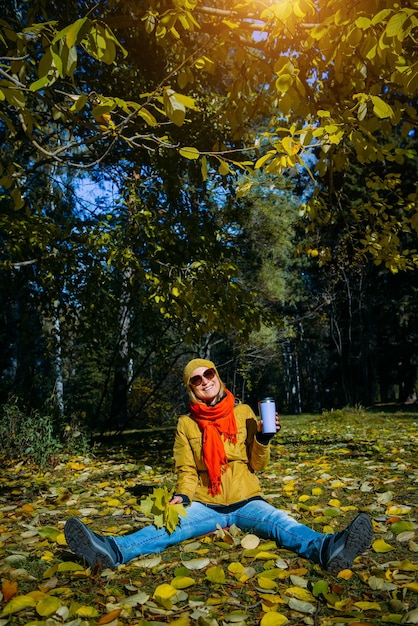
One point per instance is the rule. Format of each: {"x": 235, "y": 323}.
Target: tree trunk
{"x": 119, "y": 406}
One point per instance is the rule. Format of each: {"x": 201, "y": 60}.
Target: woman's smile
{"x": 207, "y": 390}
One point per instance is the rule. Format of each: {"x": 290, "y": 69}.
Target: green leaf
{"x": 101, "y": 43}
{"x": 401, "y": 526}
{"x": 157, "y": 506}
{"x": 320, "y": 587}
{"x": 49, "y": 532}
{"x": 41, "y": 83}
{"x": 56, "y": 58}
{"x": 77, "y": 31}
{"x": 172, "y": 514}
{"x": 394, "y": 26}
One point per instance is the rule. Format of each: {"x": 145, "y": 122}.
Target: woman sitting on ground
{"x": 217, "y": 450}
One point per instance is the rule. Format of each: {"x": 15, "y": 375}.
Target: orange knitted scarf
{"x": 214, "y": 422}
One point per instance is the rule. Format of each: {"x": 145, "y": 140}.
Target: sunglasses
{"x": 198, "y": 379}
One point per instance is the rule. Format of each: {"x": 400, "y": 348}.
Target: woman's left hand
{"x": 260, "y": 424}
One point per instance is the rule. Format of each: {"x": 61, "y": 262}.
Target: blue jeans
{"x": 257, "y": 516}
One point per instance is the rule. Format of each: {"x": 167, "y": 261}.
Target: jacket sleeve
{"x": 187, "y": 474}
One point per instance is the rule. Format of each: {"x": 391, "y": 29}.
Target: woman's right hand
{"x": 176, "y": 500}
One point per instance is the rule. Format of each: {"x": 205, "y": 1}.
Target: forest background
{"x": 231, "y": 180}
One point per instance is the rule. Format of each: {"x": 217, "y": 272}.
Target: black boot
{"x": 93, "y": 548}
{"x": 339, "y": 550}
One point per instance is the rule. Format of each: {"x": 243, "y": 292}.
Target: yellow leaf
{"x": 380, "y": 545}
{"x": 368, "y": 606}
{"x": 69, "y": 566}
{"x": 284, "y": 82}
{"x": 163, "y": 594}
{"x": 346, "y": 574}
{"x": 266, "y": 555}
{"x": 273, "y": 619}
{"x": 182, "y": 582}
{"x": 381, "y": 108}
{"x": 316, "y": 491}
{"x": 204, "y": 168}
{"x": 334, "y": 502}
{"x": 236, "y": 568}
{"x": 343, "y": 605}
{"x": 223, "y": 168}
{"x": 51, "y": 571}
{"x": 260, "y": 162}
{"x": 87, "y": 611}
{"x": 398, "y": 510}
{"x": 174, "y": 109}
{"x": 407, "y": 566}
{"x": 60, "y": 539}
{"x": 189, "y": 153}
{"x": 181, "y": 621}
{"x": 18, "y": 604}
{"x": 304, "y": 498}
{"x": 113, "y": 502}
{"x": 297, "y": 9}
{"x": 413, "y": 586}
{"x": 289, "y": 487}
{"x": 77, "y": 466}
{"x": 147, "y": 117}
{"x": 215, "y": 574}
{"x": 266, "y": 583}
{"x": 290, "y": 145}
{"x": 300, "y": 594}
{"x": 47, "y": 606}
{"x": 187, "y": 101}
{"x": 37, "y": 594}
{"x": 47, "y": 556}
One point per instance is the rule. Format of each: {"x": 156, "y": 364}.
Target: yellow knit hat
{"x": 194, "y": 364}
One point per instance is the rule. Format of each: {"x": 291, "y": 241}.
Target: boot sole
{"x": 359, "y": 538}
{"x": 80, "y": 541}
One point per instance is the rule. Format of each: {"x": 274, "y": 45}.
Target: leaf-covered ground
{"x": 324, "y": 470}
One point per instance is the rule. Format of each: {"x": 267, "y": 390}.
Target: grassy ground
{"x": 324, "y": 470}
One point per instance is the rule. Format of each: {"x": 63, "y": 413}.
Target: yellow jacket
{"x": 247, "y": 456}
